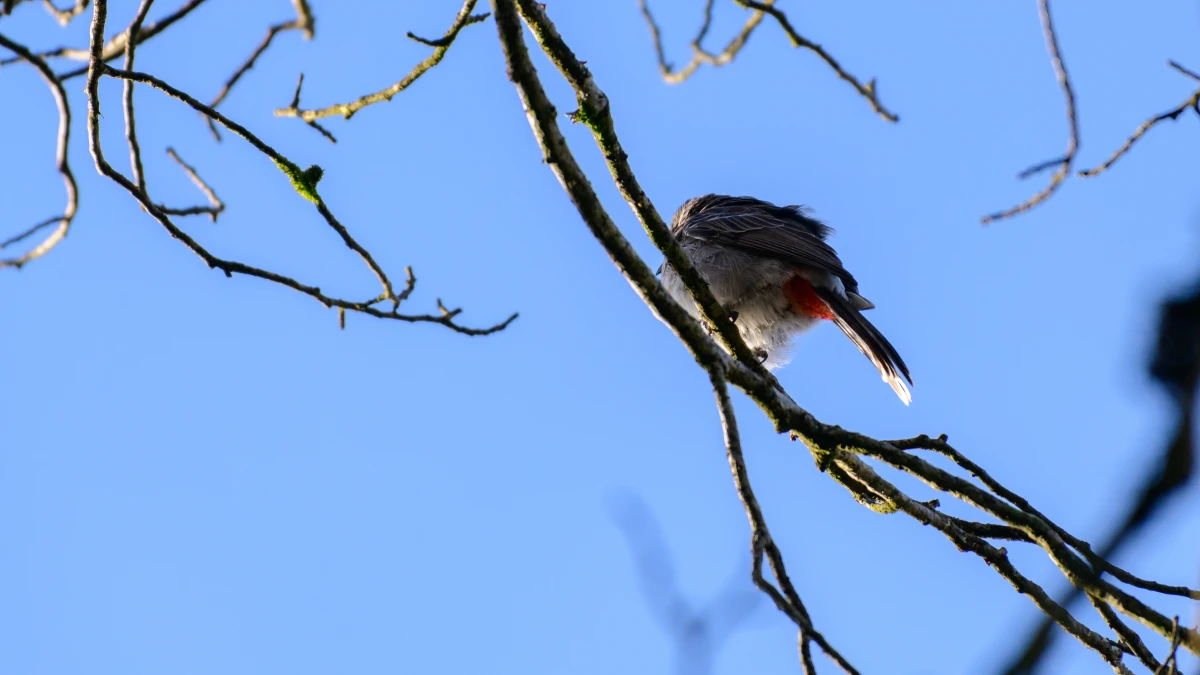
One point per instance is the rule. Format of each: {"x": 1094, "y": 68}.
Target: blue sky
{"x": 202, "y": 474}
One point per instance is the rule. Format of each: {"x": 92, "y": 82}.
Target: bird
{"x": 772, "y": 270}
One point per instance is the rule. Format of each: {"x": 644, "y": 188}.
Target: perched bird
{"x": 772, "y": 270}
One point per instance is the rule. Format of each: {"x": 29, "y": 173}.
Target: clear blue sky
{"x": 204, "y": 475}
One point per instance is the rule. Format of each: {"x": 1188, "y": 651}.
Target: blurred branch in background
{"x": 702, "y": 56}
{"x": 1175, "y": 366}
{"x": 63, "y": 16}
{"x": 697, "y": 633}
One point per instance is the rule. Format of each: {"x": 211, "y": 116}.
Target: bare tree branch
{"x": 853, "y": 460}
{"x": 782, "y": 592}
{"x": 867, "y": 90}
{"x": 64, "y": 16}
{"x": 347, "y": 110}
{"x": 700, "y": 56}
{"x": 116, "y": 46}
{"x": 216, "y": 206}
{"x": 296, "y": 104}
{"x": 595, "y": 114}
{"x": 305, "y": 23}
{"x": 303, "y": 181}
{"x": 831, "y": 446}
{"x": 135, "y": 152}
{"x": 61, "y": 163}
{"x": 1192, "y": 102}
{"x": 1170, "y": 663}
{"x": 1065, "y": 162}
{"x": 1175, "y": 366}
{"x": 1130, "y": 641}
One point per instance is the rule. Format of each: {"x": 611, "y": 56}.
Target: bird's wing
{"x": 780, "y": 232}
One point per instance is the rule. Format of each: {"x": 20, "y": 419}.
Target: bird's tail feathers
{"x": 869, "y": 341}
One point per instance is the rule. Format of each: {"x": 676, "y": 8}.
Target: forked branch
{"x": 61, "y": 222}
{"x": 701, "y": 56}
{"x": 836, "y": 450}
{"x": 1192, "y": 102}
{"x": 304, "y": 181}
{"x": 442, "y": 45}
{"x": 1065, "y": 162}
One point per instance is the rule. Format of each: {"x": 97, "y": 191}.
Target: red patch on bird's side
{"x": 805, "y": 300}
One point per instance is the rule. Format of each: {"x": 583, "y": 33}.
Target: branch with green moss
{"x": 303, "y": 180}
{"x": 701, "y": 56}
{"x": 841, "y": 452}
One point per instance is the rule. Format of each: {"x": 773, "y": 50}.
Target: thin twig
{"x": 303, "y": 22}
{"x": 64, "y": 16}
{"x": 594, "y": 111}
{"x": 835, "y": 449}
{"x": 700, "y": 56}
{"x": 296, "y": 104}
{"x": 1192, "y": 102}
{"x": 60, "y": 159}
{"x": 216, "y": 206}
{"x": 116, "y": 46}
{"x": 347, "y": 110}
{"x": 135, "y": 152}
{"x": 1171, "y": 663}
{"x": 867, "y": 90}
{"x": 1067, "y": 160}
{"x": 17, "y": 238}
{"x": 1129, "y": 638}
{"x": 940, "y": 445}
{"x": 996, "y": 558}
{"x": 304, "y": 181}
{"x": 783, "y": 592}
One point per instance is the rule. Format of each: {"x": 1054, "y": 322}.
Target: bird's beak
{"x": 658, "y": 272}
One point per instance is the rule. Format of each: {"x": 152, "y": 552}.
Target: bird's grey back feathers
{"x": 781, "y": 232}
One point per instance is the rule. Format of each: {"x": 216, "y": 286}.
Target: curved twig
{"x": 304, "y": 181}
{"x": 64, "y": 16}
{"x": 347, "y": 110}
{"x": 834, "y": 449}
{"x": 700, "y": 56}
{"x": 304, "y": 22}
{"x": 1065, "y": 162}
{"x": 1192, "y": 102}
{"x": 60, "y": 160}
{"x": 867, "y": 90}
